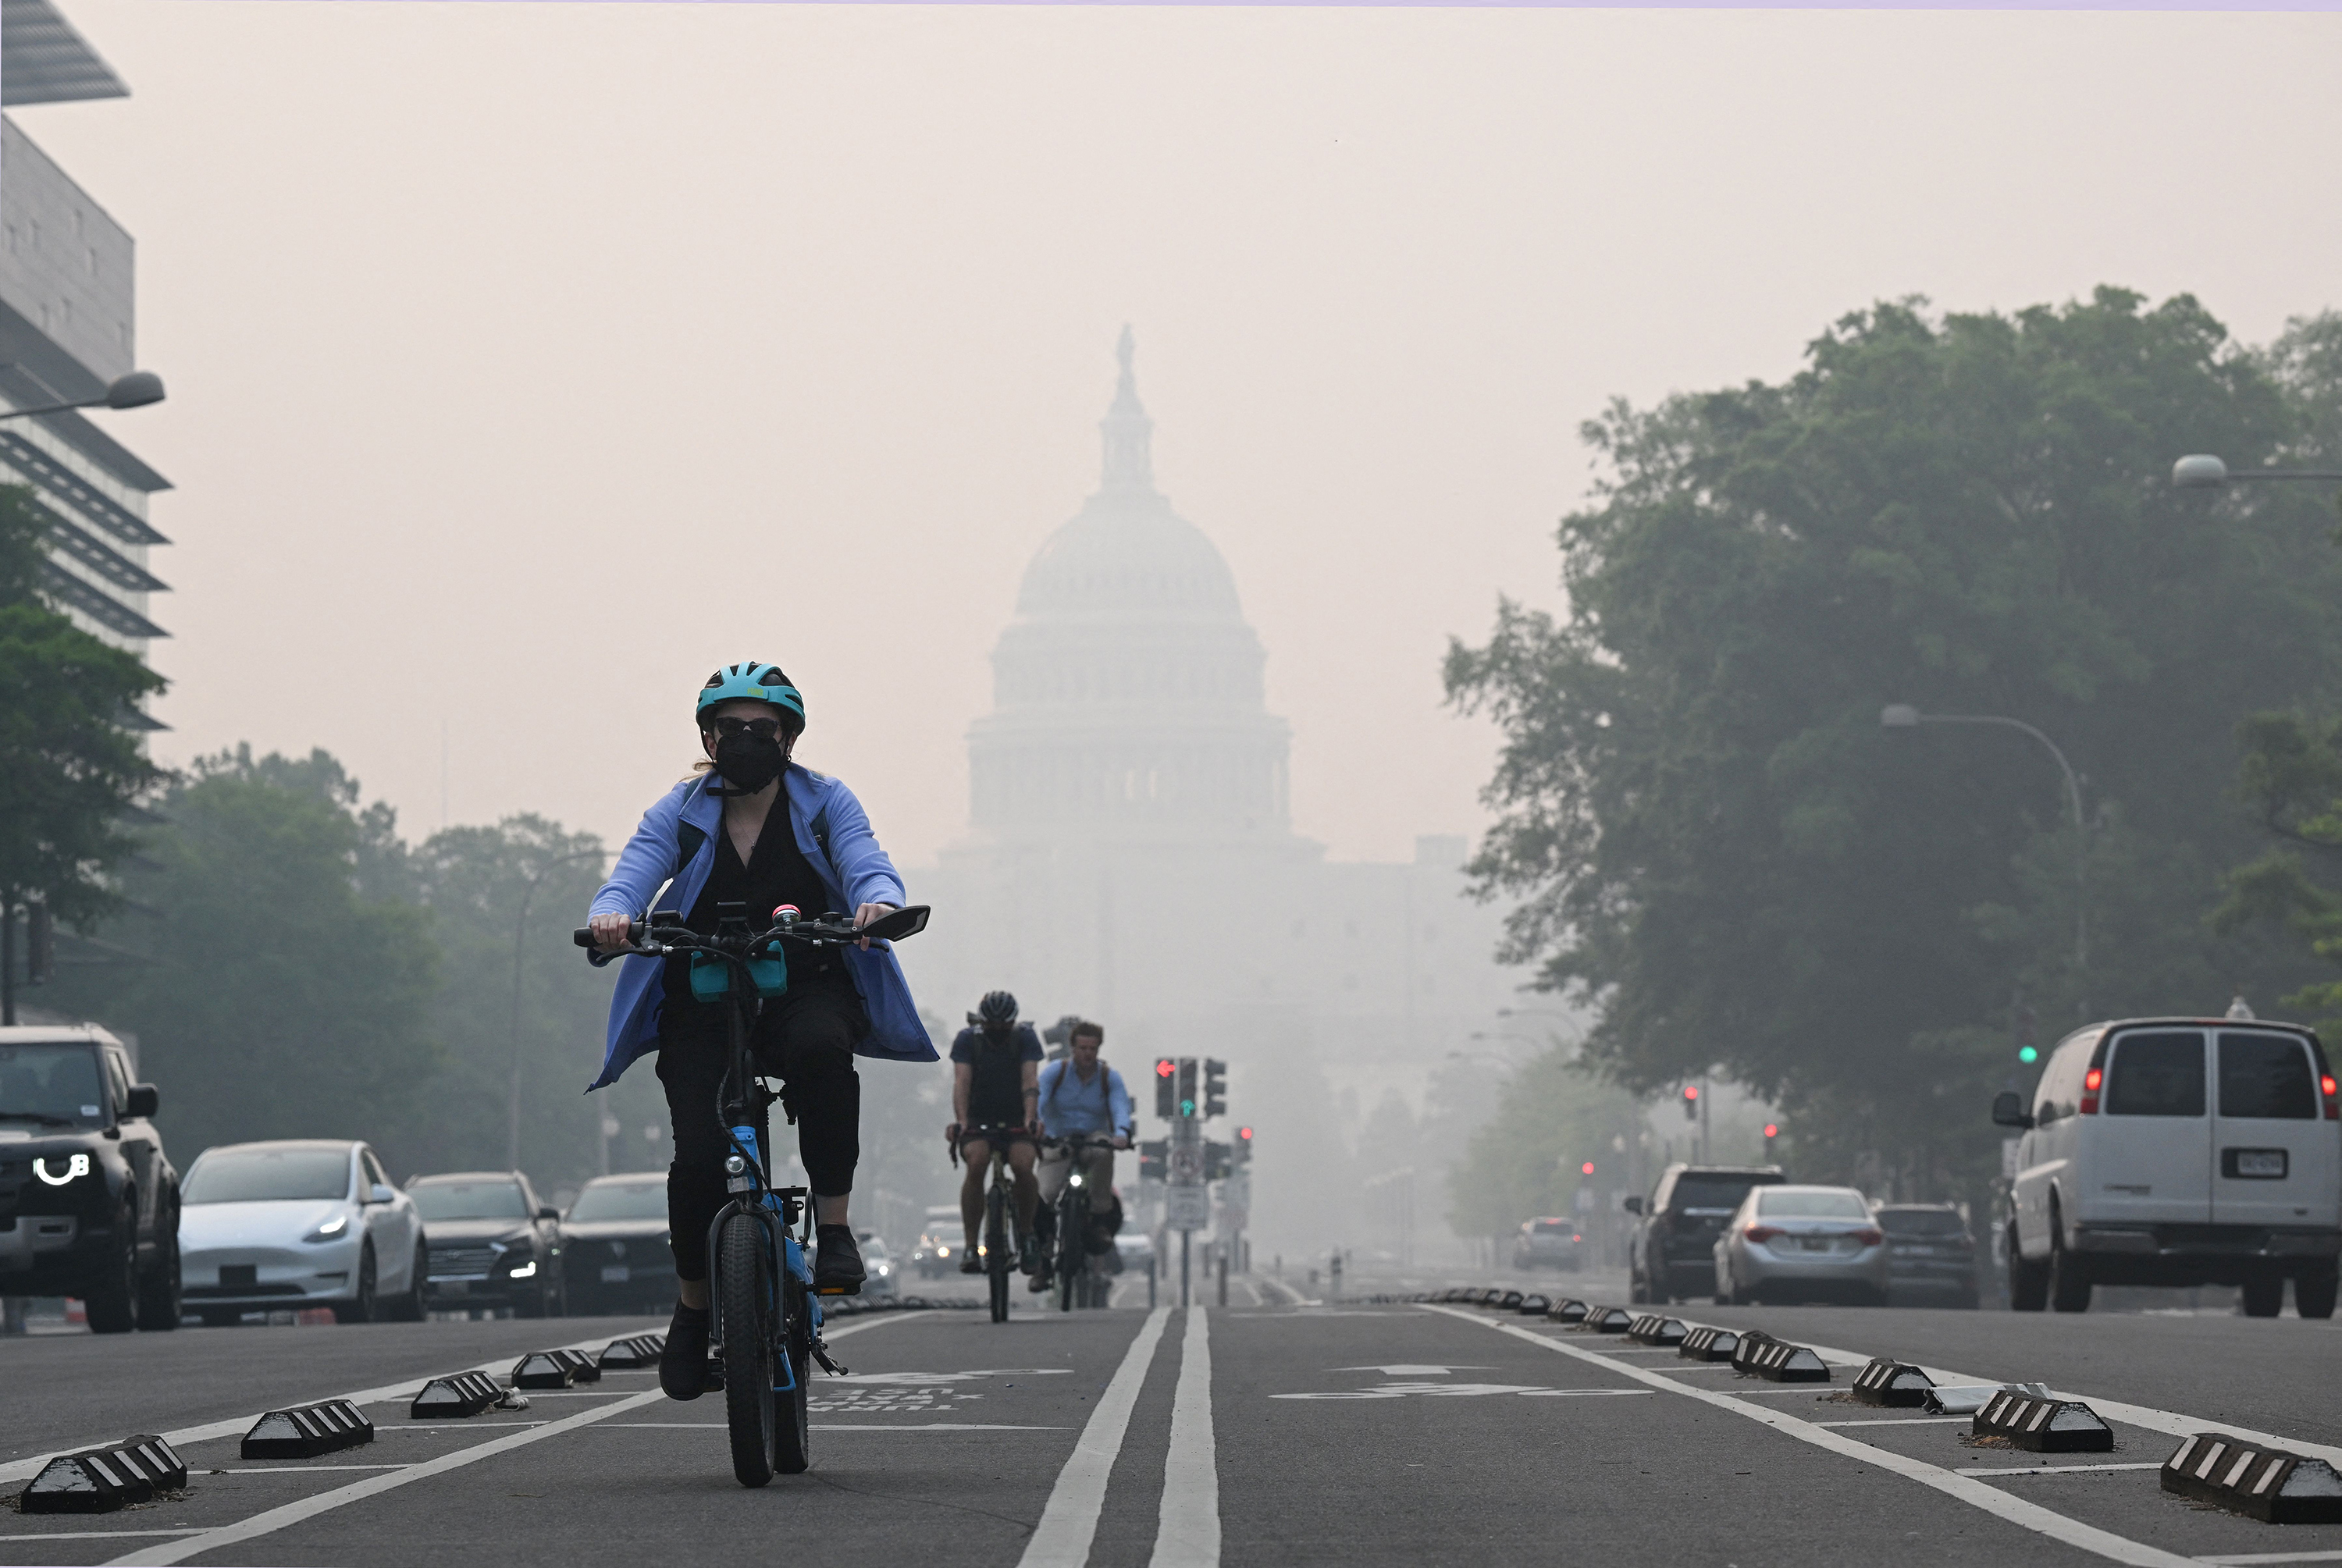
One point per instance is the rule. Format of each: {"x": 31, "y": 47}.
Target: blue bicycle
{"x": 766, "y": 1325}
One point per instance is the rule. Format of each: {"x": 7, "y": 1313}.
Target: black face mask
{"x": 748, "y": 761}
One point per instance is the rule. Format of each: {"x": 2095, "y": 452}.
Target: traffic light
{"x": 1586, "y": 1169}
{"x": 1215, "y": 1088}
{"x": 1243, "y": 1151}
{"x": 1166, "y": 1097}
{"x": 1772, "y": 1131}
{"x": 1217, "y": 1163}
{"x": 1187, "y": 1106}
{"x": 2027, "y": 1054}
{"x": 1155, "y": 1161}
{"x": 1691, "y": 1102}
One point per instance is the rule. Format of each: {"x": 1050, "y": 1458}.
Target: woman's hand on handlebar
{"x": 611, "y": 932}
{"x": 866, "y": 915}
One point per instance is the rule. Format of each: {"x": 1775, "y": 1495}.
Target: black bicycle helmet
{"x": 998, "y": 1009}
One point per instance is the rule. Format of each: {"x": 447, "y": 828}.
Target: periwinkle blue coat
{"x": 854, "y": 871}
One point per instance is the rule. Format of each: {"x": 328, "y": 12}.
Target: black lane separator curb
{"x": 2043, "y": 1425}
{"x": 1895, "y": 1383}
{"x": 1535, "y": 1305}
{"x": 461, "y": 1395}
{"x": 1779, "y": 1361}
{"x": 1655, "y": 1328}
{"x": 2270, "y": 1485}
{"x": 1709, "y": 1344}
{"x": 1568, "y": 1311}
{"x": 306, "y": 1431}
{"x": 555, "y": 1369}
{"x": 102, "y": 1479}
{"x": 635, "y": 1351}
{"x": 1605, "y": 1320}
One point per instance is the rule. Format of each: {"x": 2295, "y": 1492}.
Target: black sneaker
{"x": 969, "y": 1264}
{"x": 1028, "y": 1253}
{"x": 683, "y": 1364}
{"x": 836, "y": 1263}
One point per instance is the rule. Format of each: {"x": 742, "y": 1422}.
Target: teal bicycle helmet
{"x": 752, "y": 680}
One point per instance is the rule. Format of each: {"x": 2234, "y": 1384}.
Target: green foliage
{"x": 2291, "y": 778}
{"x": 1552, "y": 1116}
{"x": 1713, "y": 840}
{"x": 279, "y": 995}
{"x": 69, "y": 775}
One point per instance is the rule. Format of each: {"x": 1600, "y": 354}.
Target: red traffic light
{"x": 1165, "y": 1066}
{"x": 1586, "y": 1169}
{"x": 1771, "y": 1130}
{"x": 1691, "y": 1090}
{"x": 1245, "y": 1132}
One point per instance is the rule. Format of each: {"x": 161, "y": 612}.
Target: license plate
{"x": 2265, "y": 1164}
{"x": 614, "y": 1274}
{"x": 1814, "y": 1243}
{"x": 454, "y": 1287}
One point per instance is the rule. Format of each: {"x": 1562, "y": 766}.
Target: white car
{"x": 879, "y": 1282}
{"x": 2177, "y": 1152}
{"x": 298, "y": 1222}
{"x": 1801, "y": 1244}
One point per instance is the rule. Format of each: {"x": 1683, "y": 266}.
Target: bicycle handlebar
{"x": 832, "y": 929}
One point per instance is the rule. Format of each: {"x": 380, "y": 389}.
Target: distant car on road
{"x": 1136, "y": 1248}
{"x": 1672, "y": 1253}
{"x": 1549, "y": 1243}
{"x": 493, "y": 1243}
{"x": 1790, "y": 1244}
{"x": 2177, "y": 1152}
{"x": 299, "y": 1222}
{"x": 941, "y": 1239}
{"x": 92, "y": 1200}
{"x": 878, "y": 1266}
{"x": 614, "y": 1246}
{"x": 1931, "y": 1259}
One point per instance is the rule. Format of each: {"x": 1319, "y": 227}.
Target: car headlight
{"x": 330, "y": 1230}
{"x": 526, "y": 1271}
{"x": 885, "y": 1269}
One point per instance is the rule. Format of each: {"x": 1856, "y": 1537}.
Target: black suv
{"x": 89, "y": 1206}
{"x": 1673, "y": 1251}
{"x": 491, "y": 1243}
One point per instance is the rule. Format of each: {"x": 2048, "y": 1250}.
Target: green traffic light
{"x": 1186, "y": 1107}
{"x": 2027, "y": 1054}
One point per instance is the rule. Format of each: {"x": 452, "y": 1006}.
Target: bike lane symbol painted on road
{"x": 880, "y": 1392}
{"x": 1460, "y": 1391}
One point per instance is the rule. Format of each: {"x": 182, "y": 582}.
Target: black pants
{"x": 805, "y": 1038}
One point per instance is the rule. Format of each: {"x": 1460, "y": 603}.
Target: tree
{"x": 1527, "y": 1161}
{"x": 1715, "y": 841}
{"x": 283, "y": 990}
{"x": 70, "y": 772}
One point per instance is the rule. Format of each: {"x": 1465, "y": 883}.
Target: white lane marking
{"x": 92, "y": 1535}
{"x": 2243, "y": 1559}
{"x": 1405, "y": 1370}
{"x": 1293, "y": 1297}
{"x": 274, "y": 1519}
{"x": 1901, "y": 1420}
{"x": 1187, "y": 1532}
{"x": 1990, "y": 1499}
{"x": 295, "y": 1469}
{"x": 820, "y": 1426}
{"x": 2050, "y": 1469}
{"x": 1069, "y": 1520}
{"x": 237, "y": 1426}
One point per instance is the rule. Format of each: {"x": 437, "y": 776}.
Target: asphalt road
{"x": 1277, "y": 1430}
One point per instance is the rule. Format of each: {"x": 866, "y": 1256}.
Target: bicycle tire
{"x": 996, "y": 1253}
{"x": 1073, "y": 1256}
{"x": 743, "y": 1276}
{"x": 792, "y": 1430}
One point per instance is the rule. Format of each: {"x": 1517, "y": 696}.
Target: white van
{"x": 2178, "y": 1152}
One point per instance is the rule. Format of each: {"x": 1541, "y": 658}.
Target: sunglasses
{"x": 764, "y": 729}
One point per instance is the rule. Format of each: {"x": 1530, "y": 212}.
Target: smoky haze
{"x": 525, "y": 362}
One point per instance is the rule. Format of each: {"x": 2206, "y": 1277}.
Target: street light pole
{"x": 2202, "y": 470}
{"x": 1904, "y": 716}
{"x": 520, "y": 933}
{"x": 135, "y": 390}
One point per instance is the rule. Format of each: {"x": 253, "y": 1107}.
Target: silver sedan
{"x": 1789, "y": 1244}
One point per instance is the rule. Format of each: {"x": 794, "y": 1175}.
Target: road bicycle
{"x": 1079, "y": 1281}
{"x": 765, "y": 1330}
{"x": 1001, "y": 1242}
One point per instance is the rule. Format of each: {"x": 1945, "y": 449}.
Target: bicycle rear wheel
{"x": 744, "y": 1284}
{"x": 996, "y": 1251}
{"x": 793, "y": 1434}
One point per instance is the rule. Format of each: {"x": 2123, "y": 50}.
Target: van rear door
{"x": 2274, "y": 1154}
{"x": 2147, "y": 1160}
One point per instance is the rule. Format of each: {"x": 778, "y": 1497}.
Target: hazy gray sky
{"x": 527, "y": 361}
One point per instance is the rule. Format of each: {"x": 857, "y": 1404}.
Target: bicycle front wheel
{"x": 996, "y": 1253}
{"x": 1072, "y": 1255}
{"x": 743, "y": 1282}
{"x": 793, "y": 1433}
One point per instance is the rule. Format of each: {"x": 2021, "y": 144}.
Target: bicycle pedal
{"x": 821, "y": 1354}
{"x": 713, "y": 1382}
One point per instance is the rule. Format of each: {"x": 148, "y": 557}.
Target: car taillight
{"x": 1869, "y": 1236}
{"x": 2090, "y": 1081}
{"x": 2333, "y": 1109}
{"x": 1761, "y": 1233}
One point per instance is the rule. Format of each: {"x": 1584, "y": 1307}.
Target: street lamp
{"x": 520, "y": 931}
{"x": 135, "y": 390}
{"x": 1904, "y": 716}
{"x": 2202, "y": 470}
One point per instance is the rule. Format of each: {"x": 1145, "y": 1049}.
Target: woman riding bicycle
{"x": 717, "y": 835}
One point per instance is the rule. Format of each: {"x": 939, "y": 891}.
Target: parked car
{"x": 614, "y": 1246}
{"x": 941, "y": 1239}
{"x": 1549, "y": 1243}
{"x": 1789, "y": 1243}
{"x": 93, "y": 1200}
{"x": 2177, "y": 1152}
{"x": 1672, "y": 1251}
{"x": 1931, "y": 1259}
{"x": 1137, "y": 1249}
{"x": 299, "y": 1222}
{"x": 493, "y": 1243}
{"x": 878, "y": 1267}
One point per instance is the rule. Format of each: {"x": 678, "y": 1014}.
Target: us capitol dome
{"x": 1127, "y": 697}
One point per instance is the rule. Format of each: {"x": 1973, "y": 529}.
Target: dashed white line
{"x": 1069, "y": 1520}
{"x": 1187, "y": 1530}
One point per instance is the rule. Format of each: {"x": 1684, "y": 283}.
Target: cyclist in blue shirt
{"x": 1082, "y": 1094}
